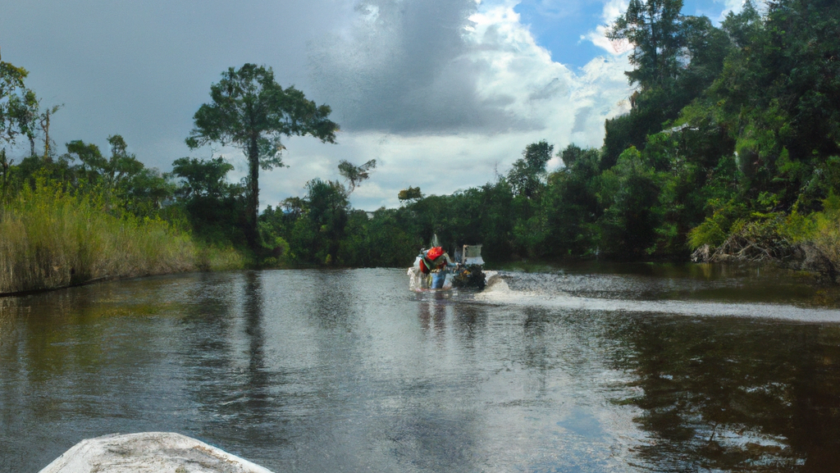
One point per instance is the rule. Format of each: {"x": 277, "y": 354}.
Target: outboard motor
{"x": 471, "y": 272}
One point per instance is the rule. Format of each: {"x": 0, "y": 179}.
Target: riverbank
{"x": 809, "y": 244}
{"x": 54, "y": 239}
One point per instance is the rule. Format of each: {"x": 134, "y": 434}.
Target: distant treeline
{"x": 733, "y": 134}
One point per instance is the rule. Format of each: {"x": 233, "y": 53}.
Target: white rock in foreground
{"x": 148, "y": 452}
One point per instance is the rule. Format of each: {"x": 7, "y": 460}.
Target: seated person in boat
{"x": 436, "y": 262}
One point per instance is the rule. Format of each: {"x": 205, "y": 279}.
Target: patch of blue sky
{"x": 561, "y": 26}
{"x": 709, "y": 8}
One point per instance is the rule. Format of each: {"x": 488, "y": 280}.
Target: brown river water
{"x": 575, "y": 369}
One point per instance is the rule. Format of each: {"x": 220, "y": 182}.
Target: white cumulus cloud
{"x": 612, "y": 10}
{"x": 447, "y": 112}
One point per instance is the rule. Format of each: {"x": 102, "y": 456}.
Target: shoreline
{"x": 814, "y": 278}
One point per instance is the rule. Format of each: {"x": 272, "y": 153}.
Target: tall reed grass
{"x": 52, "y": 238}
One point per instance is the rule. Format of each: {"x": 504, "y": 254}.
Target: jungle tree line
{"x": 728, "y": 125}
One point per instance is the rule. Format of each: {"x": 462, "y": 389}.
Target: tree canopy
{"x": 12, "y": 93}
{"x": 251, "y": 110}
{"x": 355, "y": 174}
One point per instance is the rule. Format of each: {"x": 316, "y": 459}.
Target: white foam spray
{"x": 498, "y": 292}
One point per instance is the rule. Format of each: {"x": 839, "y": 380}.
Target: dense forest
{"x": 732, "y": 141}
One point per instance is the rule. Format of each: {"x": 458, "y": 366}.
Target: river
{"x": 583, "y": 368}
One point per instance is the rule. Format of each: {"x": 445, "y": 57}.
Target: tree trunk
{"x": 253, "y": 192}
{"x": 47, "y": 151}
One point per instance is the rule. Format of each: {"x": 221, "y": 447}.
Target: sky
{"x": 444, "y": 94}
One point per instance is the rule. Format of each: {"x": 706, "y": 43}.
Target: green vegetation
{"x": 82, "y": 216}
{"x": 732, "y": 141}
{"x": 252, "y": 111}
{"x": 54, "y": 239}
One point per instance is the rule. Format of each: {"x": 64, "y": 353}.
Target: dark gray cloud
{"x": 142, "y": 68}
{"x": 407, "y": 68}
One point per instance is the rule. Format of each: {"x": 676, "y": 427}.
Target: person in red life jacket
{"x": 436, "y": 262}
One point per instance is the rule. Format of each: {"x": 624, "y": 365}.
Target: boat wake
{"x": 499, "y": 292}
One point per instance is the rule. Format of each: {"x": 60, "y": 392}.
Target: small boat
{"x": 434, "y": 270}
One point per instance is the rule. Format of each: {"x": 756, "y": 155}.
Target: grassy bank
{"x": 52, "y": 238}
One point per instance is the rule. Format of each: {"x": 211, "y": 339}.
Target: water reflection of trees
{"x": 258, "y": 381}
{"x": 230, "y": 379}
{"x": 84, "y": 362}
{"x": 735, "y": 394}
